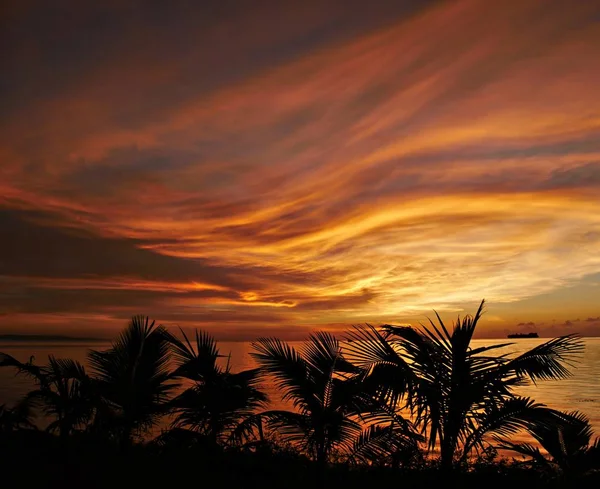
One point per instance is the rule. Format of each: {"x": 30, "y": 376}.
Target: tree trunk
{"x": 321, "y": 459}
{"x": 446, "y": 455}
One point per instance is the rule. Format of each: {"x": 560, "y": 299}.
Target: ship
{"x": 523, "y": 335}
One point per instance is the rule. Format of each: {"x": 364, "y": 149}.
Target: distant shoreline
{"x": 43, "y": 338}
{"x": 30, "y": 338}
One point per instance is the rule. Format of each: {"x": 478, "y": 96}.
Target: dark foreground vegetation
{"x": 393, "y": 406}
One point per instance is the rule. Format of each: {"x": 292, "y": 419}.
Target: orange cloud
{"x": 451, "y": 155}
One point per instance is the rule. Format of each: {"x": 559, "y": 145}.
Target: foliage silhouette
{"x": 327, "y": 397}
{"x": 456, "y": 394}
{"x": 366, "y": 405}
{"x": 133, "y": 379}
{"x": 219, "y": 404}
{"x": 64, "y": 392}
{"x": 567, "y": 439}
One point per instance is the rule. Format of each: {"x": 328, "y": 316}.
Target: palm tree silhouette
{"x": 133, "y": 379}
{"x": 327, "y": 397}
{"x": 218, "y": 402}
{"x": 567, "y": 439}
{"x": 64, "y": 392}
{"x": 456, "y": 394}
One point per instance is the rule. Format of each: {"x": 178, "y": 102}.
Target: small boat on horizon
{"x": 523, "y": 335}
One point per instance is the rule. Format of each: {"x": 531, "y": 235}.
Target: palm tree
{"x": 326, "y": 397}
{"x": 66, "y": 395}
{"x": 63, "y": 392}
{"x": 567, "y": 440}
{"x": 456, "y": 394}
{"x": 133, "y": 378}
{"x": 218, "y": 404}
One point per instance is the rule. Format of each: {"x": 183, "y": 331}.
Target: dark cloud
{"x": 529, "y": 324}
{"x": 30, "y": 249}
{"x": 582, "y": 328}
{"x": 55, "y": 45}
{"x": 29, "y": 298}
{"x": 34, "y": 245}
{"x": 587, "y": 175}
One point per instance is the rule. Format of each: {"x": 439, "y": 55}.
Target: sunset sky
{"x": 271, "y": 167}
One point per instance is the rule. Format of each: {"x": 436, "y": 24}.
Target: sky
{"x": 271, "y": 168}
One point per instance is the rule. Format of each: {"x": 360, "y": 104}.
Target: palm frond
{"x": 367, "y": 347}
{"x": 564, "y": 435}
{"x": 548, "y": 360}
{"x": 28, "y": 369}
{"x": 289, "y": 371}
{"x": 216, "y": 406}
{"x": 195, "y": 361}
{"x": 295, "y": 427}
{"x": 249, "y": 429}
{"x": 133, "y": 376}
{"x": 374, "y": 444}
{"x": 66, "y": 368}
{"x": 320, "y": 352}
{"x": 511, "y": 416}
{"x": 525, "y": 449}
{"x": 386, "y": 374}
{"x": 342, "y": 431}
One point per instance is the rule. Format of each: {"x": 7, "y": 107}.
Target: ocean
{"x": 579, "y": 392}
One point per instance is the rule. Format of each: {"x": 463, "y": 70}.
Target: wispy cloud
{"x": 367, "y": 174}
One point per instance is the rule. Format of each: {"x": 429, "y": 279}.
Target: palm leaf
{"x": 288, "y": 369}
{"x": 525, "y": 449}
{"x": 195, "y": 361}
{"x": 511, "y": 416}
{"x": 133, "y": 376}
{"x": 28, "y": 369}
{"x": 295, "y": 427}
{"x": 548, "y": 360}
{"x": 374, "y": 444}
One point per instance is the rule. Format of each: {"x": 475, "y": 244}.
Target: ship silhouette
{"x": 523, "y": 335}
